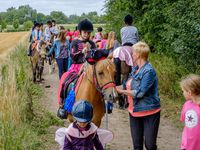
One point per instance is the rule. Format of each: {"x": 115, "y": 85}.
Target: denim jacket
{"x": 144, "y": 88}
{"x": 56, "y": 47}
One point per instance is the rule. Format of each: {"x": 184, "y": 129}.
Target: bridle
{"x": 99, "y": 87}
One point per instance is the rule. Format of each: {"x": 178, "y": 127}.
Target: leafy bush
{"x": 172, "y": 27}
{"x": 16, "y": 23}
{"x": 28, "y": 25}
{"x": 3, "y": 25}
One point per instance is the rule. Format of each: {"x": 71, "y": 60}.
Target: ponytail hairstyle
{"x": 62, "y": 36}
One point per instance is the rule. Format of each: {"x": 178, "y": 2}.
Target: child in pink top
{"x": 190, "y": 114}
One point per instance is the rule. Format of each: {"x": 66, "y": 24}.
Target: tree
{"x": 59, "y": 17}
{"x": 28, "y": 25}
{"x": 3, "y": 25}
{"x": 16, "y": 23}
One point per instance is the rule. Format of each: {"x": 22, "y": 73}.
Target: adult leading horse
{"x": 97, "y": 85}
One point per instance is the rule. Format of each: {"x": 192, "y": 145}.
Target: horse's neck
{"x": 87, "y": 90}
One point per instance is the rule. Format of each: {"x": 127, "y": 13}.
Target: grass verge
{"x": 23, "y": 122}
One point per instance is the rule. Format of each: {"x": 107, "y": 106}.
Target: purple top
{"x": 87, "y": 143}
{"x": 76, "y": 51}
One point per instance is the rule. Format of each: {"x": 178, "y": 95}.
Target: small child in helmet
{"x": 81, "y": 134}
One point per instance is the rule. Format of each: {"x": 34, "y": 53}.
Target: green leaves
{"x": 172, "y": 27}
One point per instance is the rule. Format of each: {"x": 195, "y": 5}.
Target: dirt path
{"x": 168, "y": 138}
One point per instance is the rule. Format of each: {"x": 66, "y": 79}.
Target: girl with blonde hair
{"x": 190, "y": 113}
{"x": 112, "y": 43}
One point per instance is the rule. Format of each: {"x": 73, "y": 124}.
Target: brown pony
{"x": 96, "y": 86}
{"x": 37, "y": 60}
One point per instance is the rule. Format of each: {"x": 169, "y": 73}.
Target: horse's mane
{"x": 104, "y": 63}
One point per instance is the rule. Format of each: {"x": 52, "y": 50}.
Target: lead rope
{"x": 106, "y": 103}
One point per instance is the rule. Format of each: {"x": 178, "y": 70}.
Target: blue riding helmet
{"x": 82, "y": 111}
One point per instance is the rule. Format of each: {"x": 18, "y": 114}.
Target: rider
{"x": 82, "y": 133}
{"x": 129, "y": 33}
{"x": 36, "y": 36}
{"x": 54, "y": 29}
{"x": 47, "y": 31}
{"x": 98, "y": 36}
{"x": 79, "y": 49}
{"x": 129, "y": 37}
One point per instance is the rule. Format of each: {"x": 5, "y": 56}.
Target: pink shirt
{"x": 103, "y": 43}
{"x": 130, "y": 106}
{"x": 190, "y": 115}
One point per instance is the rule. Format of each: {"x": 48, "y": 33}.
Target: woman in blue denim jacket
{"x": 61, "y": 47}
{"x": 144, "y": 101}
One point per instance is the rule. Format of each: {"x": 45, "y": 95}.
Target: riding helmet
{"x": 85, "y": 25}
{"x": 82, "y": 111}
{"x": 99, "y": 29}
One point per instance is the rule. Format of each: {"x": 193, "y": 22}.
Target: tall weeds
{"x": 16, "y": 105}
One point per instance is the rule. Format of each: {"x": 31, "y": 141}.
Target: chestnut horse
{"x": 96, "y": 86}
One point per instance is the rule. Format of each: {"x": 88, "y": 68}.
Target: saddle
{"x": 66, "y": 86}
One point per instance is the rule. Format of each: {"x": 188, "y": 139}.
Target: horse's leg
{"x": 33, "y": 64}
{"x": 41, "y": 68}
{"x": 125, "y": 74}
{"x": 98, "y": 113}
{"x": 34, "y": 74}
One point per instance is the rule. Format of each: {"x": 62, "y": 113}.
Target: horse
{"x": 96, "y": 86}
{"x": 123, "y": 63}
{"x": 37, "y": 60}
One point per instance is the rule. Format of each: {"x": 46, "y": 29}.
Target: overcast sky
{"x": 66, "y": 6}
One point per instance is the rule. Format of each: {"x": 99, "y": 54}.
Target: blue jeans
{"x": 62, "y": 65}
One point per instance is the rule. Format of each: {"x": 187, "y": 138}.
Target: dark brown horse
{"x": 96, "y": 86}
{"x": 37, "y": 60}
{"x": 123, "y": 62}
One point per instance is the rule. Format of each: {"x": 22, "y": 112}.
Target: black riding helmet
{"x": 99, "y": 29}
{"x": 128, "y": 19}
{"x": 85, "y": 25}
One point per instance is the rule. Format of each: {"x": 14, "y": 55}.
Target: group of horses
{"x": 97, "y": 85}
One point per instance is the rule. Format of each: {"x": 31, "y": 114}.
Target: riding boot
{"x": 29, "y": 50}
{"x": 117, "y": 63}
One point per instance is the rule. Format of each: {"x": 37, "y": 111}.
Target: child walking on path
{"x": 81, "y": 134}
{"x": 190, "y": 114}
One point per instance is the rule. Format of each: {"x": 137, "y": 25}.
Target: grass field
{"x": 8, "y": 40}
